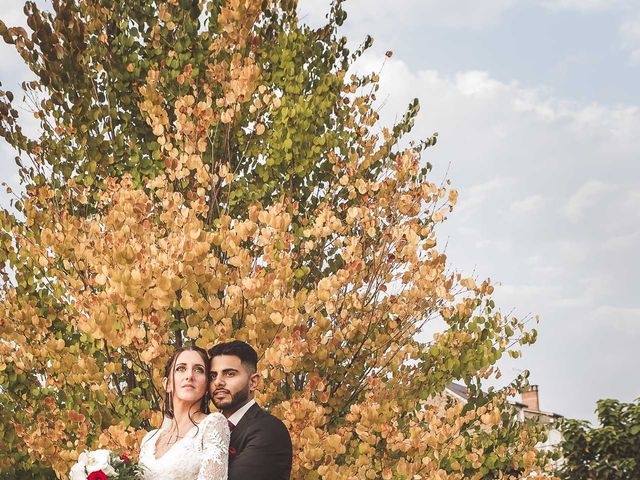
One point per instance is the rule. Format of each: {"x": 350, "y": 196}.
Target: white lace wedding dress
{"x": 202, "y": 454}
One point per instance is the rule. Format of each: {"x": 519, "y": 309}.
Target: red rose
{"x": 98, "y": 475}
{"x": 232, "y": 451}
{"x": 124, "y": 458}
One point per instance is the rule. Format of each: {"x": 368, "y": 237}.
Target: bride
{"x": 190, "y": 445}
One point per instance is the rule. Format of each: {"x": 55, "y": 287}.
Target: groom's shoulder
{"x": 265, "y": 420}
{"x": 264, "y": 416}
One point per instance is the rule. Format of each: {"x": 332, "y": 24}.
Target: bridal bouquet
{"x": 103, "y": 465}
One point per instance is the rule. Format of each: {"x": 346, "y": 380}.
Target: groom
{"x": 260, "y": 447}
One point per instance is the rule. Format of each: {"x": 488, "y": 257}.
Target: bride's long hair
{"x": 167, "y": 407}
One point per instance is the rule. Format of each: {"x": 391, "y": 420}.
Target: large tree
{"x": 608, "y": 451}
{"x": 207, "y": 170}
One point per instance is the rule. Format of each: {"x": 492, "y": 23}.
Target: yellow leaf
{"x": 164, "y": 283}
{"x": 324, "y": 295}
{"x": 193, "y": 332}
{"x": 186, "y": 301}
{"x": 158, "y": 129}
{"x": 468, "y": 283}
{"x": 453, "y": 196}
{"x": 195, "y": 234}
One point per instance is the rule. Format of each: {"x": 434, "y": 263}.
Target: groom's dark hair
{"x": 245, "y": 352}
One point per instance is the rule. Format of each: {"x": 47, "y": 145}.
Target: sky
{"x": 537, "y": 107}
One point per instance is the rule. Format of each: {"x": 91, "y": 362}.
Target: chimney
{"x": 530, "y": 398}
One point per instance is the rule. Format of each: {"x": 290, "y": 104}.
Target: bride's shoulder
{"x": 148, "y": 436}
{"x": 215, "y": 419}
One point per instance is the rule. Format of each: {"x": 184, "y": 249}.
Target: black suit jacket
{"x": 260, "y": 448}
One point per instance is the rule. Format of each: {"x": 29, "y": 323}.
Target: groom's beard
{"x": 234, "y": 403}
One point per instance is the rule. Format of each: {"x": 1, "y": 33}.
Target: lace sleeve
{"x": 215, "y": 449}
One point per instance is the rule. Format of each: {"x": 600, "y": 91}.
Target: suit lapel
{"x": 238, "y": 432}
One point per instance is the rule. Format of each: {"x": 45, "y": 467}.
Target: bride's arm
{"x": 215, "y": 449}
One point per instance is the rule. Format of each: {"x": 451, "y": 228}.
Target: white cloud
{"x": 630, "y": 37}
{"x": 527, "y": 205}
{"x": 570, "y": 251}
{"x": 541, "y": 264}
{"x": 625, "y": 319}
{"x": 13, "y": 14}
{"x": 522, "y": 294}
{"x": 534, "y": 101}
{"x": 476, "y": 96}
{"x": 582, "y": 5}
{"x": 457, "y": 14}
{"x": 622, "y": 242}
{"x": 464, "y": 13}
{"x": 631, "y": 202}
{"x": 476, "y": 83}
{"x": 12, "y": 67}
{"x": 531, "y": 168}
{"x": 476, "y": 196}
{"x": 627, "y": 11}
{"x": 585, "y": 199}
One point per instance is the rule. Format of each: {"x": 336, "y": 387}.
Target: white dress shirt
{"x": 238, "y": 414}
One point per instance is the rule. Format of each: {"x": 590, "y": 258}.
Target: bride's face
{"x": 189, "y": 378}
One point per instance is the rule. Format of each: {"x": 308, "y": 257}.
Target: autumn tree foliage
{"x": 207, "y": 170}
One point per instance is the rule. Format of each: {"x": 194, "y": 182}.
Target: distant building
{"x": 531, "y": 409}
{"x": 527, "y": 408}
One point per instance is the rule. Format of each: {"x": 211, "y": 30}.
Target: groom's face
{"x": 231, "y": 383}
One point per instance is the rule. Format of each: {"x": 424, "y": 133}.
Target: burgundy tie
{"x": 231, "y": 426}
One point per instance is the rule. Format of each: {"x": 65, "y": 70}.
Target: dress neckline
{"x": 186, "y": 435}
